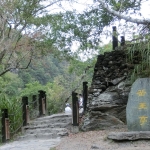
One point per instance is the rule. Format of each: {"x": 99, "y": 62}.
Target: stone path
{"x": 42, "y": 133}
{"x": 31, "y": 144}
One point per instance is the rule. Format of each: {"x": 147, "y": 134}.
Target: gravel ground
{"x": 97, "y": 140}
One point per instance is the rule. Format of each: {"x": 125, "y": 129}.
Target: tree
{"x": 44, "y": 70}
{"x": 11, "y": 84}
{"x": 19, "y": 38}
{"x": 120, "y": 7}
{"x": 85, "y": 28}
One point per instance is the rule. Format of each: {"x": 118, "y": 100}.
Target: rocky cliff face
{"x": 109, "y": 91}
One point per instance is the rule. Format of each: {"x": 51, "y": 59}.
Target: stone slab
{"x": 131, "y": 136}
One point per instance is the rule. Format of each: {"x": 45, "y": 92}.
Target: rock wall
{"x": 109, "y": 91}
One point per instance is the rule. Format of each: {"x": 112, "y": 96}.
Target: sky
{"x": 79, "y": 6}
{"x": 145, "y": 9}
{"x": 83, "y": 4}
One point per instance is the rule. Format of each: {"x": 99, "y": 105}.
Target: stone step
{"x": 54, "y": 116}
{"x": 47, "y": 130}
{"x": 44, "y": 133}
{"x": 50, "y": 125}
{"x": 55, "y": 120}
{"x": 38, "y": 136}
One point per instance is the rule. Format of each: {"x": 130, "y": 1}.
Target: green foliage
{"x": 14, "y": 107}
{"x": 55, "y": 97}
{"x": 82, "y": 69}
{"x": 139, "y": 53}
{"x": 10, "y": 84}
{"x": 9, "y": 92}
{"x": 84, "y": 28}
{"x": 105, "y": 48}
{"x": 44, "y": 70}
{"x": 124, "y": 5}
{"x": 32, "y": 89}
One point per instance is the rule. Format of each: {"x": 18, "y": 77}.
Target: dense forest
{"x": 58, "y": 77}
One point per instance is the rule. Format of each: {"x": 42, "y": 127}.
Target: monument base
{"x": 74, "y": 129}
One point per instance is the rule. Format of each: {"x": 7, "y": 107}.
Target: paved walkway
{"x": 40, "y": 144}
{"x": 44, "y": 143}
{"x": 44, "y": 126}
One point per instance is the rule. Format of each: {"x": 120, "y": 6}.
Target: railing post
{"x": 85, "y": 94}
{"x": 114, "y": 38}
{"x": 75, "y": 109}
{"x": 25, "y": 110}
{"x": 42, "y": 103}
{"x": 5, "y": 126}
{"x": 122, "y": 41}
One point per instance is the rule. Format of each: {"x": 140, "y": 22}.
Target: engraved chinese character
{"x": 142, "y": 106}
{"x": 141, "y": 92}
{"x": 143, "y": 120}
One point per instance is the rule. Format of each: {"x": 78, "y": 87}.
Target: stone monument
{"x": 137, "y": 113}
{"x": 138, "y": 106}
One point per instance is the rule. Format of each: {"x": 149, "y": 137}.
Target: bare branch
{"x": 26, "y": 65}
